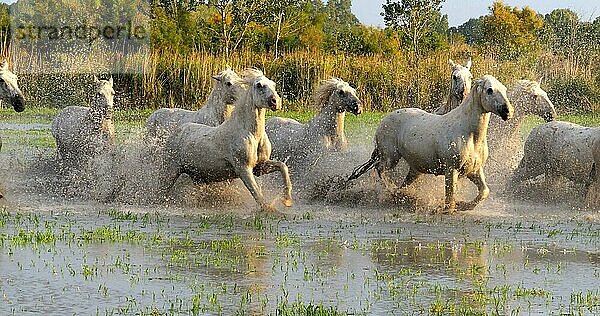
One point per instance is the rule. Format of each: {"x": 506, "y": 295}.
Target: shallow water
{"x": 211, "y": 252}
{"x": 79, "y": 259}
{"x": 24, "y": 126}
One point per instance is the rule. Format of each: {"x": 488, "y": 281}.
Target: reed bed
{"x": 163, "y": 78}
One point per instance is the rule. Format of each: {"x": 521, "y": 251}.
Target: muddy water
{"x": 353, "y": 252}
{"x": 61, "y": 259}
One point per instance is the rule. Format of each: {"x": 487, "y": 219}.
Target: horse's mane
{"x": 251, "y": 75}
{"x": 99, "y": 107}
{"x": 234, "y": 76}
{"x": 326, "y": 88}
{"x": 525, "y": 86}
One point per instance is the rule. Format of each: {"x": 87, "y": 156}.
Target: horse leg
{"x": 412, "y": 176}
{"x": 271, "y": 166}
{"x": 451, "y": 181}
{"x": 384, "y": 167}
{"x": 247, "y": 176}
{"x": 478, "y": 179}
{"x": 167, "y": 180}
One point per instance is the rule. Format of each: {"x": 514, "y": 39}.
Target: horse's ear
{"x": 111, "y": 81}
{"x": 217, "y": 77}
{"x": 4, "y": 65}
{"x": 96, "y": 80}
{"x": 469, "y": 64}
{"x": 541, "y": 80}
{"x": 451, "y": 63}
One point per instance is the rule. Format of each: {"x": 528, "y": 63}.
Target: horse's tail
{"x": 364, "y": 168}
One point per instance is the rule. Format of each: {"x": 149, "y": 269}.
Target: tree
{"x": 284, "y": 15}
{"x": 341, "y": 25}
{"x": 4, "y": 28}
{"x": 234, "y": 19}
{"x": 561, "y": 28}
{"x": 471, "y": 30}
{"x": 511, "y": 32}
{"x": 339, "y": 14}
{"x": 415, "y": 18}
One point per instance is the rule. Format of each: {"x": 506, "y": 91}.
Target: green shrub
{"x": 575, "y": 95}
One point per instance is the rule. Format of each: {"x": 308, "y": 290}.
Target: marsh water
{"x": 351, "y": 255}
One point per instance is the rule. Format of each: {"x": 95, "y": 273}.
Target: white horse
{"x": 504, "y": 138}
{"x": 81, "y": 132}
{"x": 460, "y": 86}
{"x": 452, "y": 145}
{"x": 217, "y": 109}
{"x": 558, "y": 149}
{"x": 238, "y": 148}
{"x": 9, "y": 90}
{"x": 294, "y": 142}
{"x": 593, "y": 194}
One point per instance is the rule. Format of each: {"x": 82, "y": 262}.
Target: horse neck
{"x": 216, "y": 105}
{"x": 478, "y": 119}
{"x": 249, "y": 118}
{"x": 100, "y": 110}
{"x": 328, "y": 123}
{"x": 519, "y": 101}
{"x": 452, "y": 103}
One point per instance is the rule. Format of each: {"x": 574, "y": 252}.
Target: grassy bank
{"x": 129, "y": 124}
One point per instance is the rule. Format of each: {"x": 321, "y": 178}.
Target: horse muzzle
{"x": 275, "y": 104}
{"x": 18, "y": 103}
{"x": 505, "y": 113}
{"x": 354, "y": 108}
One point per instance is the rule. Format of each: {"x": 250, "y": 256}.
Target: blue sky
{"x": 459, "y": 11}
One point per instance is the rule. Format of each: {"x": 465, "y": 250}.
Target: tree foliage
{"x": 511, "y": 32}
{"x": 415, "y": 19}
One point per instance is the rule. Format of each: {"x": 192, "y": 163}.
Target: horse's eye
{"x": 340, "y": 92}
{"x": 259, "y": 85}
{"x": 228, "y": 84}
{"x": 490, "y": 91}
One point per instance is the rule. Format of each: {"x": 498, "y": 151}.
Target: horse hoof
{"x": 465, "y": 206}
{"x": 446, "y": 211}
{"x": 287, "y": 202}
{"x": 268, "y": 209}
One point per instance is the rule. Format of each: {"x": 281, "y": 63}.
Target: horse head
{"x": 229, "y": 85}
{"x": 262, "y": 90}
{"x": 340, "y": 95}
{"x": 538, "y": 102}
{"x": 492, "y": 94}
{"x": 9, "y": 89}
{"x": 460, "y": 86}
{"x": 103, "y": 101}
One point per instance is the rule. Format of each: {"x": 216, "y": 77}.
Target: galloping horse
{"x": 9, "y": 90}
{"x": 460, "y": 86}
{"x": 295, "y": 143}
{"x": 217, "y": 109}
{"x": 504, "y": 138}
{"x": 558, "y": 149}
{"x": 238, "y": 148}
{"x": 81, "y": 132}
{"x": 452, "y": 145}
